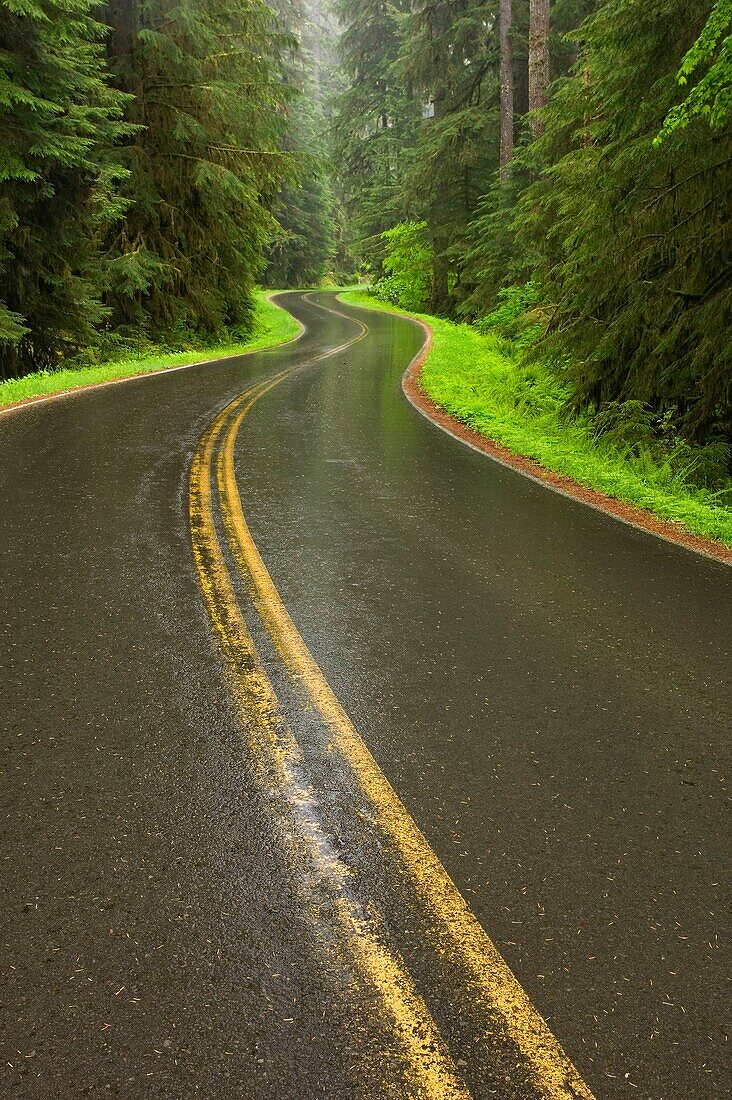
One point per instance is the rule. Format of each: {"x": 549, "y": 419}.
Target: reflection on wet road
{"x": 470, "y": 708}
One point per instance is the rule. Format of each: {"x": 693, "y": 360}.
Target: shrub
{"x": 408, "y": 263}
{"x": 516, "y": 318}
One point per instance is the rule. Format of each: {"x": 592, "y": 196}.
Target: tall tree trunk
{"x": 505, "y": 20}
{"x": 538, "y": 58}
{"x": 586, "y": 132}
{"x": 120, "y": 16}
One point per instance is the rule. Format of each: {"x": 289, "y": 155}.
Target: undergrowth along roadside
{"x": 272, "y": 325}
{"x": 478, "y": 380}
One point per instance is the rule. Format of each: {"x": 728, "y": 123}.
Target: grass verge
{"x": 273, "y": 326}
{"x": 477, "y": 380}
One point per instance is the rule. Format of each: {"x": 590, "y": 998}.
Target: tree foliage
{"x": 626, "y": 235}
{"x": 58, "y": 121}
{"x": 711, "y": 98}
{"x": 408, "y": 264}
{"x": 302, "y": 246}
{"x": 631, "y": 240}
{"x": 373, "y": 124}
{"x": 206, "y": 163}
{"x": 145, "y": 144}
{"x": 449, "y": 60}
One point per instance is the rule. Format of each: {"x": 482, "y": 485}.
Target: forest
{"x": 554, "y": 173}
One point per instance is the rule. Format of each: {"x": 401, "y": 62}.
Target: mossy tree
{"x": 59, "y": 121}
{"x": 631, "y": 236}
{"x": 374, "y": 124}
{"x": 205, "y": 166}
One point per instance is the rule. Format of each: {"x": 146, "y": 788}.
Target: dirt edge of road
{"x": 560, "y": 483}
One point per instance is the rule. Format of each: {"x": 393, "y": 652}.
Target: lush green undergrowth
{"x": 272, "y": 326}
{"x": 480, "y": 380}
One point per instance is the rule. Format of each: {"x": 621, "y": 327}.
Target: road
{"x": 341, "y": 761}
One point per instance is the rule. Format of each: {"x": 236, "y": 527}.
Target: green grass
{"x": 273, "y": 326}
{"x": 479, "y": 381}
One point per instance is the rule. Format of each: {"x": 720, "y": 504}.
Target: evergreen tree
{"x": 450, "y": 59}
{"x": 58, "y": 120}
{"x": 373, "y": 124}
{"x": 206, "y": 165}
{"x": 711, "y": 98}
{"x": 303, "y": 243}
{"x": 632, "y": 238}
{"x": 492, "y": 259}
{"x": 538, "y": 59}
{"x": 299, "y": 254}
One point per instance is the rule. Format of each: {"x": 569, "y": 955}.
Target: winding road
{"x": 340, "y": 761}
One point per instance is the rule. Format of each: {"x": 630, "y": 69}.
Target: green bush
{"x": 408, "y": 263}
{"x": 516, "y": 318}
{"x": 633, "y": 428}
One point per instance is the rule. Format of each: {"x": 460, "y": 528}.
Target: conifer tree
{"x": 631, "y": 239}
{"x": 492, "y": 259}
{"x": 303, "y": 242}
{"x": 206, "y": 165}
{"x": 373, "y": 124}
{"x": 711, "y": 96}
{"x": 450, "y": 59}
{"x": 538, "y": 59}
{"x": 299, "y": 253}
{"x": 506, "y": 82}
{"x": 58, "y": 121}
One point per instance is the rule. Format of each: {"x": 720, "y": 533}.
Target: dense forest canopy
{"x": 157, "y": 155}
{"x": 560, "y": 168}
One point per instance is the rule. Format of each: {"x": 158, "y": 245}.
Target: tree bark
{"x": 538, "y": 59}
{"x": 120, "y": 16}
{"x": 505, "y": 20}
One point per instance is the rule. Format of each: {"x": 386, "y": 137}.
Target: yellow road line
{"x": 494, "y": 986}
{"x": 430, "y": 1071}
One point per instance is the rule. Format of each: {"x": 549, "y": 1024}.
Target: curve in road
{"x": 546, "y": 690}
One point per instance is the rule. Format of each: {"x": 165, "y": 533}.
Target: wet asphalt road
{"x": 547, "y": 689}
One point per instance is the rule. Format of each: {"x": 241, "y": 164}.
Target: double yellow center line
{"x": 492, "y": 989}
